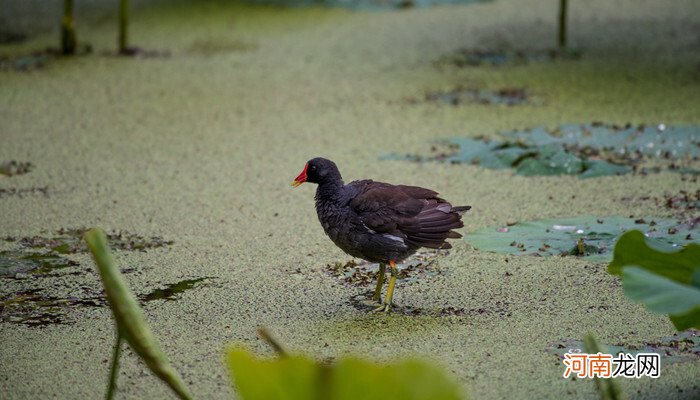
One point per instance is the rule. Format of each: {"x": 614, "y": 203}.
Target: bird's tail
{"x": 461, "y": 209}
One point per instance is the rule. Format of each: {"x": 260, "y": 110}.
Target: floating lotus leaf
{"x": 588, "y": 151}
{"x": 596, "y": 168}
{"x": 568, "y": 236}
{"x": 551, "y": 160}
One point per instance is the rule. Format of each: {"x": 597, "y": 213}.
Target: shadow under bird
{"x": 380, "y": 222}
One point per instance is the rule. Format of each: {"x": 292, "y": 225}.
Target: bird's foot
{"x": 384, "y": 308}
{"x": 369, "y": 302}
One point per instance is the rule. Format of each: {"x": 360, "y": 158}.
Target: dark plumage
{"x": 380, "y": 222}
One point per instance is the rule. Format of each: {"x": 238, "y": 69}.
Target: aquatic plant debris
{"x": 363, "y": 273}
{"x": 38, "y": 59}
{"x": 596, "y": 236}
{"x": 478, "y": 57}
{"x": 139, "y": 53}
{"x": 69, "y": 241}
{"x": 27, "y": 62}
{"x": 223, "y": 45}
{"x": 362, "y": 302}
{"x": 49, "y": 256}
{"x": 683, "y": 202}
{"x": 678, "y": 348}
{"x": 18, "y": 264}
{"x": 586, "y": 150}
{"x": 507, "y": 96}
{"x": 34, "y": 308}
{"x": 12, "y": 168}
{"x": 173, "y": 290}
{"x": 40, "y": 255}
{"x": 21, "y": 193}
{"x": 416, "y": 268}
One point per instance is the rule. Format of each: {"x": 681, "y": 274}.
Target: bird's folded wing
{"x": 409, "y": 212}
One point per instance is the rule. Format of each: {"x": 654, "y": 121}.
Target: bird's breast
{"x": 339, "y": 223}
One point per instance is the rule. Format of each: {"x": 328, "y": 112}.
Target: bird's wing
{"x": 412, "y": 213}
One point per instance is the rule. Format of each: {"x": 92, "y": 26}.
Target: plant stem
{"x": 608, "y": 388}
{"x": 562, "y": 23}
{"x": 123, "y": 25}
{"x": 115, "y": 367}
{"x": 265, "y": 335}
{"x": 68, "y": 36}
{"x": 129, "y": 318}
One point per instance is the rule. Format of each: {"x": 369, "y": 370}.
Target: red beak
{"x": 301, "y": 178}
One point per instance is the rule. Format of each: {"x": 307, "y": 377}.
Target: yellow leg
{"x": 380, "y": 281}
{"x": 390, "y": 291}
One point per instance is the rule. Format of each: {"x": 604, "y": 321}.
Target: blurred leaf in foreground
{"x": 131, "y": 324}
{"x": 298, "y": 377}
{"x": 667, "y": 283}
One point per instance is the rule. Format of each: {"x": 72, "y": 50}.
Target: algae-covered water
{"x": 197, "y": 145}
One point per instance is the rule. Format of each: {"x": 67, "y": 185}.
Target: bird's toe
{"x": 383, "y": 308}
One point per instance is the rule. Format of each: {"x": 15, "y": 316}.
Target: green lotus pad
{"x": 588, "y": 150}
{"x": 589, "y": 237}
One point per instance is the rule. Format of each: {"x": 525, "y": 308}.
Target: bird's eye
{"x": 313, "y": 168}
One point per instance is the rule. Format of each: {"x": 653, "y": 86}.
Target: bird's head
{"x": 317, "y": 170}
